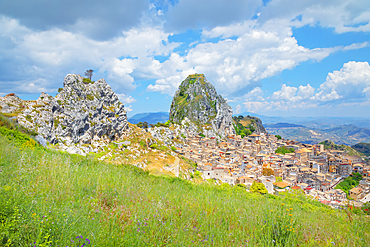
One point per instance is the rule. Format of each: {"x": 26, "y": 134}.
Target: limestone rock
{"x": 197, "y": 100}
{"x": 82, "y": 111}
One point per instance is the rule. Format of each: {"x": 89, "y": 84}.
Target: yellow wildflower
{"x": 290, "y": 214}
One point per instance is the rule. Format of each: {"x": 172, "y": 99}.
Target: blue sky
{"x": 308, "y": 59}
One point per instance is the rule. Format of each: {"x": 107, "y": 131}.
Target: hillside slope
{"x": 362, "y": 148}
{"x": 51, "y": 198}
{"x": 245, "y": 125}
{"x": 349, "y": 150}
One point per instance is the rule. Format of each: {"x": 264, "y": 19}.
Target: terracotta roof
{"x": 356, "y": 190}
{"x": 281, "y": 184}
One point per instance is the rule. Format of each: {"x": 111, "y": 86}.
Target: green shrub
{"x": 90, "y": 97}
{"x": 258, "y": 187}
{"x": 284, "y": 150}
{"x": 87, "y": 81}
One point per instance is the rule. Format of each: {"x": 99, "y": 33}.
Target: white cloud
{"x": 255, "y": 94}
{"x": 47, "y": 56}
{"x": 126, "y": 99}
{"x": 286, "y": 93}
{"x": 356, "y": 46}
{"x": 128, "y": 108}
{"x": 305, "y": 92}
{"x": 350, "y": 86}
{"x": 343, "y": 15}
{"x": 232, "y": 65}
{"x": 256, "y": 106}
{"x": 349, "y": 83}
{"x": 293, "y": 94}
{"x": 238, "y": 109}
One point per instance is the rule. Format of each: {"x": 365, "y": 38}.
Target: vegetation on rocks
{"x": 197, "y": 100}
{"x": 363, "y": 148}
{"x": 246, "y": 125}
{"x": 331, "y": 145}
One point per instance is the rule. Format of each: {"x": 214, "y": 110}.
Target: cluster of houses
{"x": 253, "y": 159}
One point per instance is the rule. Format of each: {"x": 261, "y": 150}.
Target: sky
{"x": 269, "y": 57}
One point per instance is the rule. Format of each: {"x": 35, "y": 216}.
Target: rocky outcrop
{"x": 259, "y": 127}
{"x": 82, "y": 112}
{"x": 197, "y": 100}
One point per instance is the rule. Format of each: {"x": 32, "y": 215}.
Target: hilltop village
{"x": 253, "y": 159}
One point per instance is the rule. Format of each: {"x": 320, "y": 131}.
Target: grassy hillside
{"x": 331, "y": 145}
{"x": 49, "y": 198}
{"x": 363, "y": 148}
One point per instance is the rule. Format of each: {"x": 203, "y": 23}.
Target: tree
{"x": 284, "y": 150}
{"x": 89, "y": 73}
{"x": 278, "y": 179}
{"x": 278, "y": 137}
{"x": 259, "y": 188}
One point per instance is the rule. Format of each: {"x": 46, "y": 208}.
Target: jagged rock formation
{"x": 82, "y": 112}
{"x": 10, "y": 104}
{"x": 197, "y": 100}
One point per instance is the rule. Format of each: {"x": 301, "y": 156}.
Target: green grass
{"x": 50, "y": 198}
{"x": 349, "y": 183}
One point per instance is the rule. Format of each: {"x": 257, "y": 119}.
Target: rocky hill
{"x": 196, "y": 100}
{"x": 362, "y": 148}
{"x": 81, "y": 113}
{"x": 246, "y": 125}
{"x": 349, "y": 150}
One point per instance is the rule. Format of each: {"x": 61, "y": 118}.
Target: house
{"x": 345, "y": 169}
{"x": 281, "y": 185}
{"x": 358, "y": 168}
{"x": 353, "y": 159}
{"x": 268, "y": 182}
{"x": 366, "y": 198}
{"x": 355, "y": 193}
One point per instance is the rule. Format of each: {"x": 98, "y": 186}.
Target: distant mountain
{"x": 150, "y": 117}
{"x": 313, "y": 122}
{"x": 344, "y": 134}
{"x": 283, "y": 125}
